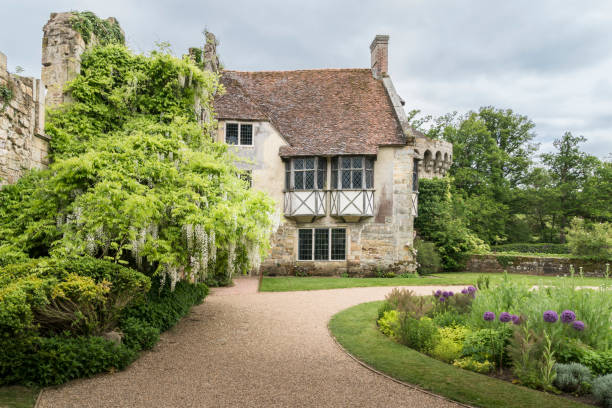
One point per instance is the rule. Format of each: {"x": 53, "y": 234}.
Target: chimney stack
{"x": 379, "y": 55}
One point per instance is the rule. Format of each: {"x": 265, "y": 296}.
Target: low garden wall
{"x": 534, "y": 265}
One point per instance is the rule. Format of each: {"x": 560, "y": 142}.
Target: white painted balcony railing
{"x": 352, "y": 203}
{"x": 305, "y": 203}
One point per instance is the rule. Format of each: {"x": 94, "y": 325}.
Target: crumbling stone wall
{"x": 23, "y": 144}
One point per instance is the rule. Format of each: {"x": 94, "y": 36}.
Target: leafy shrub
{"x": 593, "y": 241}
{"x": 532, "y": 248}
{"x": 406, "y": 301}
{"x": 427, "y": 257}
{"x": 387, "y": 324}
{"x": 138, "y": 335}
{"x": 419, "y": 334}
{"x": 573, "y": 377}
{"x": 79, "y": 295}
{"x": 384, "y": 307}
{"x": 469, "y": 363}
{"x": 55, "y": 360}
{"x": 602, "y": 390}
{"x": 163, "y": 308}
{"x": 10, "y": 254}
{"x": 598, "y": 361}
{"x": 450, "y": 346}
{"x": 487, "y": 345}
{"x": 449, "y": 318}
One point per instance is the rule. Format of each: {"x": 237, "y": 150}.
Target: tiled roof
{"x": 318, "y": 112}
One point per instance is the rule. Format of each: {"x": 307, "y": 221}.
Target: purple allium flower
{"x": 488, "y": 316}
{"x": 445, "y": 294}
{"x": 471, "y": 289}
{"x": 450, "y": 293}
{"x": 515, "y": 319}
{"x": 442, "y": 299}
{"x": 550, "y": 316}
{"x": 567, "y": 316}
{"x": 438, "y": 293}
{"x": 578, "y": 325}
{"x": 464, "y": 291}
{"x": 505, "y": 317}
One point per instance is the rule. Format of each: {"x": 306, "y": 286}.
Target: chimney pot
{"x": 379, "y": 55}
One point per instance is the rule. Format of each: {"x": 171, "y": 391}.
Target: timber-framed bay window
{"x": 322, "y": 244}
{"x": 305, "y": 173}
{"x": 352, "y": 173}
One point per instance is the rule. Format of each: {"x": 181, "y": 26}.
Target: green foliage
{"x": 6, "y": 95}
{"x": 593, "y": 240}
{"x": 449, "y": 318}
{"x": 438, "y": 223}
{"x": 77, "y": 295}
{"x": 384, "y": 307}
{"x": 487, "y": 345}
{"x": 55, "y": 360}
{"x": 419, "y": 334}
{"x": 388, "y": 323}
{"x": 163, "y": 308}
{"x": 532, "y": 248}
{"x": 573, "y": 377}
{"x": 469, "y": 363}
{"x": 602, "y": 390}
{"x": 136, "y": 178}
{"x": 87, "y": 24}
{"x": 596, "y": 193}
{"x": 138, "y": 335}
{"x": 406, "y": 301}
{"x": 505, "y": 260}
{"x": 450, "y": 345}
{"x": 428, "y": 259}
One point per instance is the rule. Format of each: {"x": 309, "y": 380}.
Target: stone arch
{"x": 427, "y": 160}
{"x": 438, "y": 162}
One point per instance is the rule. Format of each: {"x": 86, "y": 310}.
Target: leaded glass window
{"x": 306, "y": 173}
{"x": 415, "y": 176}
{"x": 239, "y": 134}
{"x": 322, "y": 244}
{"x": 352, "y": 172}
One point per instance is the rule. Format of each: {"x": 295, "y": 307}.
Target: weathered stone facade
{"x": 23, "y": 144}
{"x": 534, "y": 265}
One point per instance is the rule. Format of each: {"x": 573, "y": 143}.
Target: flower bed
{"x": 556, "y": 339}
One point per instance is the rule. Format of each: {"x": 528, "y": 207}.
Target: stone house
{"x": 334, "y": 149}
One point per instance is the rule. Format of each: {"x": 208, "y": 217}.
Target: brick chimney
{"x": 379, "y": 55}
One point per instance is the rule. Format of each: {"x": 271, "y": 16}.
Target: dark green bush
{"x": 138, "y": 335}
{"x": 55, "y": 360}
{"x": 427, "y": 257}
{"x": 488, "y": 345}
{"x": 421, "y": 334}
{"x": 532, "y": 248}
{"x": 162, "y": 308}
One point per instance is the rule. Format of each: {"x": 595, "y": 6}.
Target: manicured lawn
{"x": 356, "y": 331}
{"x": 18, "y": 397}
{"x": 290, "y": 283}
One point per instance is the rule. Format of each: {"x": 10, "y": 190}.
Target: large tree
{"x": 570, "y": 169}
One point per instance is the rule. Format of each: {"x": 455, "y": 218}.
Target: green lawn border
{"x": 354, "y": 329}
{"x": 16, "y": 396}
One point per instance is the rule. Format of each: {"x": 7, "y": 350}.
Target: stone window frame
{"x": 319, "y": 170}
{"x": 239, "y": 136}
{"x": 331, "y": 244}
{"x": 366, "y": 168}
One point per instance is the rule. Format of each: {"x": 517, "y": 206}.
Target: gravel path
{"x": 246, "y": 349}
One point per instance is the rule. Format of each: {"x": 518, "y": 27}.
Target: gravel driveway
{"x": 246, "y": 349}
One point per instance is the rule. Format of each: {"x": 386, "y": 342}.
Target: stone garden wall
{"x": 534, "y": 265}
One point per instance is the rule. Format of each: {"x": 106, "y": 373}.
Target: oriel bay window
{"x": 305, "y": 173}
{"x": 322, "y": 244}
{"x": 352, "y": 173}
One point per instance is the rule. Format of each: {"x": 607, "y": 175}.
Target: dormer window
{"x": 352, "y": 173}
{"x": 305, "y": 173}
{"x": 240, "y": 134}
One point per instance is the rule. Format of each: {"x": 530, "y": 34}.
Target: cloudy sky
{"x": 549, "y": 60}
